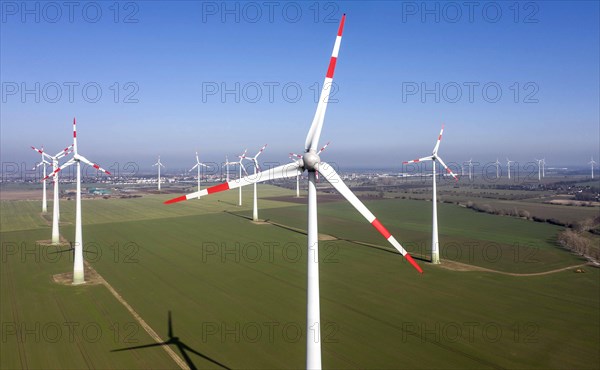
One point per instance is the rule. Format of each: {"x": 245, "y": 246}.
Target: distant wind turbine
{"x": 254, "y": 161}
{"x": 544, "y": 167}
{"x": 470, "y": 169}
{"x": 539, "y": 161}
{"x": 43, "y": 163}
{"x": 227, "y": 163}
{"x": 197, "y": 165}
{"x": 158, "y": 165}
{"x": 56, "y": 194}
{"x": 508, "y": 162}
{"x": 78, "y": 273}
{"x": 497, "y": 168}
{"x": 592, "y": 163}
{"x": 435, "y": 245}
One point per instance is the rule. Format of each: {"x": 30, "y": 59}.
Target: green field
{"x": 237, "y": 290}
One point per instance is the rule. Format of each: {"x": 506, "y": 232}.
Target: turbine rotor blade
{"x": 280, "y": 172}
{"x": 87, "y": 161}
{"x": 66, "y": 164}
{"x": 323, "y": 148}
{"x": 429, "y": 158}
{"x": 260, "y": 151}
{"x": 312, "y": 138}
{"x": 64, "y": 152}
{"x": 437, "y": 145}
{"x": 447, "y": 168}
{"x": 74, "y": 135}
{"x": 335, "y": 180}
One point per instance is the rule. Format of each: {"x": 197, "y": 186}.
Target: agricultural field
{"x": 505, "y": 296}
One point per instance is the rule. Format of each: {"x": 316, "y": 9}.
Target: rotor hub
{"x": 310, "y": 160}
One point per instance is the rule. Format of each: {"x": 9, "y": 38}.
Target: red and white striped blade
{"x": 260, "y": 151}
{"x": 66, "y": 164}
{"x": 280, "y": 172}
{"x": 447, "y": 168}
{"x": 74, "y": 135}
{"x": 437, "y": 145}
{"x": 64, "y": 152}
{"x": 429, "y": 158}
{"x": 295, "y": 155}
{"x": 312, "y": 139}
{"x": 335, "y": 180}
{"x": 323, "y": 148}
{"x": 41, "y": 151}
{"x": 87, "y": 161}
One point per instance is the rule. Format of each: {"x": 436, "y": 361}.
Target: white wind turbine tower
{"x": 435, "y": 245}
{"x": 508, "y": 162}
{"x": 539, "y": 162}
{"x": 197, "y": 165}
{"x": 227, "y": 163}
{"x": 43, "y": 163}
{"x": 544, "y": 167}
{"x": 159, "y": 165}
{"x": 56, "y": 194}
{"x": 470, "y": 169}
{"x": 78, "y": 272}
{"x": 311, "y": 162}
{"x": 254, "y": 160}
{"x": 592, "y": 163}
{"x": 497, "y": 168}
{"x": 241, "y": 164}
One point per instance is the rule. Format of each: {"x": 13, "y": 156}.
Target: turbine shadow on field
{"x": 71, "y": 249}
{"x": 181, "y": 346}
{"x": 226, "y": 202}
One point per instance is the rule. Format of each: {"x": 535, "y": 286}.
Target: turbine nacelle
{"x": 310, "y": 160}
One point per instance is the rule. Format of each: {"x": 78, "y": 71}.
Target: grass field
{"x": 237, "y": 290}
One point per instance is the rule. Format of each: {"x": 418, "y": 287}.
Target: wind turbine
{"x": 254, "y": 160}
{"x": 435, "y": 245}
{"x": 497, "y": 168}
{"x": 56, "y": 195}
{"x": 470, "y": 169}
{"x": 198, "y": 164}
{"x": 43, "y": 163}
{"x": 592, "y": 163}
{"x": 78, "y": 275}
{"x": 508, "y": 162}
{"x": 539, "y": 161}
{"x": 544, "y": 167}
{"x": 227, "y": 163}
{"x": 311, "y": 162}
{"x": 159, "y": 165}
{"x": 241, "y": 164}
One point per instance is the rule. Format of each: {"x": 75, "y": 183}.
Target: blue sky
{"x": 542, "y": 56}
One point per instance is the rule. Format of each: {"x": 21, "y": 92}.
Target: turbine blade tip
{"x": 412, "y": 262}
{"x": 175, "y": 200}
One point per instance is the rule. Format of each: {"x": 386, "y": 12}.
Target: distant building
{"x": 99, "y": 191}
